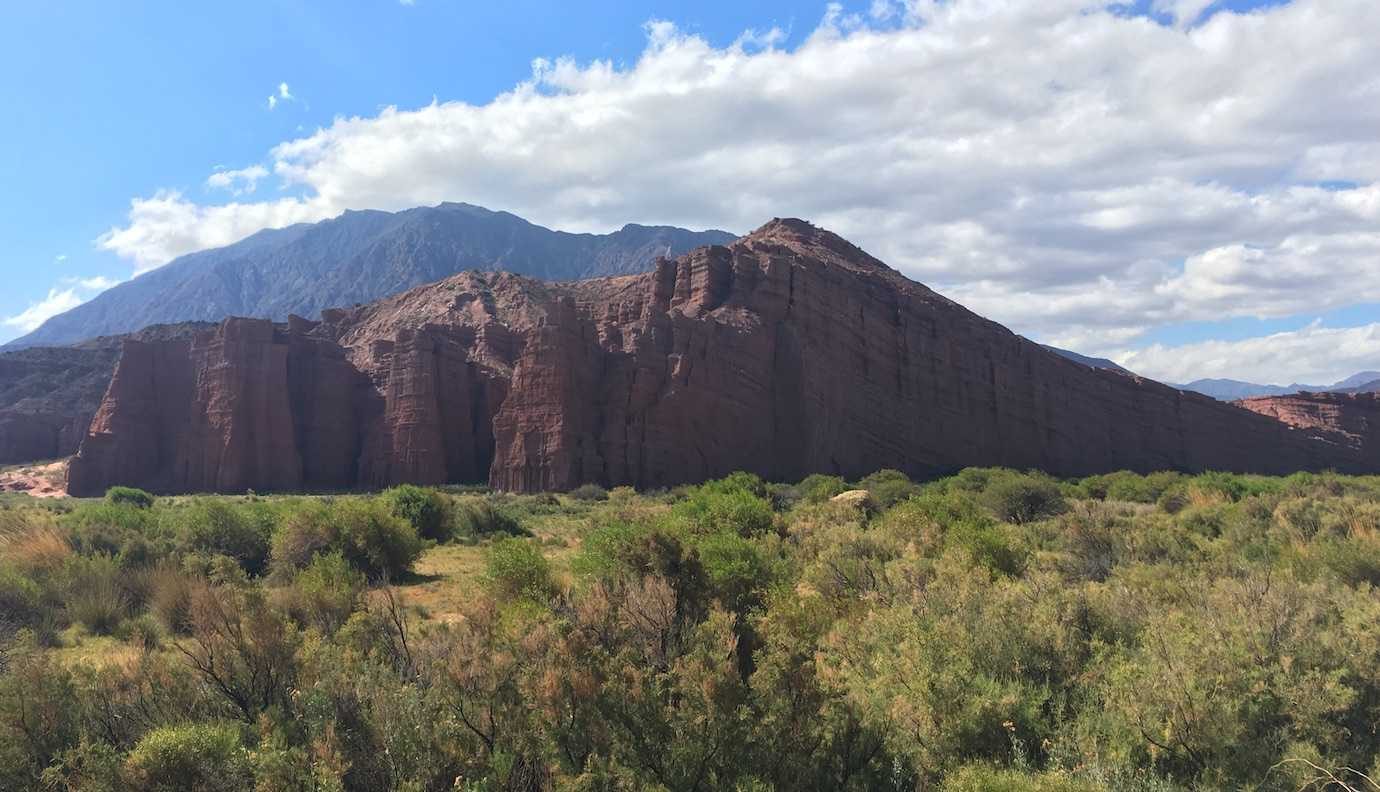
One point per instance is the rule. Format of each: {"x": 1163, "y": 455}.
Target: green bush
{"x": 211, "y": 525}
{"x": 129, "y": 496}
{"x": 818, "y": 487}
{"x": 475, "y": 518}
{"x": 516, "y": 569}
{"x": 95, "y": 597}
{"x": 21, "y": 599}
{"x": 737, "y": 570}
{"x": 1018, "y": 498}
{"x": 425, "y": 509}
{"x": 589, "y": 493}
{"x": 363, "y": 530}
{"x": 142, "y": 631}
{"x": 200, "y": 756}
{"x": 327, "y": 592}
{"x": 980, "y": 778}
{"x": 730, "y": 504}
{"x": 889, "y": 487}
{"x": 104, "y": 527}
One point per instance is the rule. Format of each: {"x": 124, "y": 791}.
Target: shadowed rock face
{"x": 788, "y": 352}
{"x": 49, "y": 394}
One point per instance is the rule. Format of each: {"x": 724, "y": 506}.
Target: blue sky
{"x": 1184, "y": 185}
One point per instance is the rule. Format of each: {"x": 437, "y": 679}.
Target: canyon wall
{"x": 788, "y": 352}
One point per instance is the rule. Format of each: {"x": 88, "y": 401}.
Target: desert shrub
{"x": 737, "y": 570}
{"x": 211, "y": 525}
{"x": 39, "y": 551}
{"x": 475, "y": 518}
{"x": 730, "y": 504}
{"x": 989, "y": 546}
{"x": 889, "y": 487}
{"x": 425, "y": 509}
{"x": 363, "y": 530}
{"x": 515, "y": 569}
{"x": 983, "y": 778}
{"x": 1174, "y": 499}
{"x": 1021, "y": 498}
{"x": 1125, "y": 485}
{"x": 95, "y": 597}
{"x": 21, "y": 599}
{"x": 327, "y": 592}
{"x": 818, "y": 487}
{"x": 589, "y": 493}
{"x": 103, "y": 527}
{"x": 129, "y": 496}
{"x": 202, "y": 756}
{"x": 305, "y": 530}
{"x": 142, "y": 631}
{"x": 373, "y": 540}
{"x": 170, "y": 597}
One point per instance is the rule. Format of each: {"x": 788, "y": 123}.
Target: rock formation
{"x": 49, "y": 394}
{"x": 788, "y": 352}
{"x": 1342, "y": 419}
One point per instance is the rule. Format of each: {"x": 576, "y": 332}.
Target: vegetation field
{"x": 988, "y": 632}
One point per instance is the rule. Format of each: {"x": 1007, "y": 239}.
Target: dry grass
{"x": 31, "y": 540}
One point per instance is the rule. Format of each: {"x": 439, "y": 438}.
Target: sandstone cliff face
{"x": 1343, "y": 420}
{"x": 788, "y": 352}
{"x": 48, "y": 395}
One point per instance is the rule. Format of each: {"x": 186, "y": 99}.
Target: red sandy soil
{"x": 46, "y": 480}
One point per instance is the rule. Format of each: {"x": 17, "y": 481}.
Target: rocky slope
{"x": 48, "y": 394}
{"x": 1349, "y": 420}
{"x": 355, "y": 258}
{"x": 787, "y": 352}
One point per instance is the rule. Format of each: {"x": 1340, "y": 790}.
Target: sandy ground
{"x": 41, "y": 481}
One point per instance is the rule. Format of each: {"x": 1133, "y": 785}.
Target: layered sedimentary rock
{"x": 49, "y": 394}
{"x": 788, "y": 352}
{"x": 1343, "y": 419}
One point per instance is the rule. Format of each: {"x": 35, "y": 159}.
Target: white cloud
{"x": 1076, "y": 173}
{"x": 1313, "y": 355}
{"x": 57, "y": 301}
{"x": 96, "y": 283}
{"x": 237, "y": 182}
{"x": 283, "y": 95}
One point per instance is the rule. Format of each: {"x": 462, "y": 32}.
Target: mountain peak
{"x": 809, "y": 239}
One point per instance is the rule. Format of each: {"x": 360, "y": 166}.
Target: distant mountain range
{"x": 356, "y": 258}
{"x": 1090, "y": 362}
{"x": 1231, "y": 390}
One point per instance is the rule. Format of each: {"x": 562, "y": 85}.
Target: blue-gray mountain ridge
{"x": 356, "y": 258}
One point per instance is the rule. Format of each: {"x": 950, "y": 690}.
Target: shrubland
{"x": 988, "y": 631}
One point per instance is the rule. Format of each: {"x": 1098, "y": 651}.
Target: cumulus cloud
{"x": 1319, "y": 356}
{"x": 73, "y": 291}
{"x": 237, "y": 182}
{"x": 1076, "y": 172}
{"x": 57, "y": 301}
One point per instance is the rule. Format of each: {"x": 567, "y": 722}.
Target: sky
{"x": 1189, "y": 187}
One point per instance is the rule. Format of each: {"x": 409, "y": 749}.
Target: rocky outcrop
{"x": 1343, "y": 419}
{"x": 48, "y": 395}
{"x": 788, "y": 352}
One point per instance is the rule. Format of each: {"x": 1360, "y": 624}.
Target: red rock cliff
{"x": 789, "y": 352}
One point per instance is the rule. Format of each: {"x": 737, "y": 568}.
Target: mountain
{"x": 1233, "y": 390}
{"x": 355, "y": 258}
{"x": 788, "y": 352}
{"x": 1090, "y": 362}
